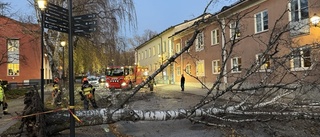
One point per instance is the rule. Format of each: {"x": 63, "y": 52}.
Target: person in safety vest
{"x": 56, "y": 93}
{"x": 87, "y": 94}
{"x": 3, "y": 99}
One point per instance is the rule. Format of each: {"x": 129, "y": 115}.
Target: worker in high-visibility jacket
{"x": 3, "y": 99}
{"x": 87, "y": 94}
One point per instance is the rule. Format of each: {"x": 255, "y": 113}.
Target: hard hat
{"x": 84, "y": 80}
{"x": 56, "y": 79}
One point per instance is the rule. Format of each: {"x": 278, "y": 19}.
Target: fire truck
{"x": 125, "y": 77}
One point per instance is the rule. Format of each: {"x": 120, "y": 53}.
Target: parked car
{"x": 93, "y": 80}
{"x": 102, "y": 79}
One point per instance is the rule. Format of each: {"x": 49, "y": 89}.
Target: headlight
{"x": 107, "y": 85}
{"x": 123, "y": 84}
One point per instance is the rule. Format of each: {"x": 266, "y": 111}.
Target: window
{"x": 215, "y": 37}
{"x": 164, "y": 46}
{"x": 301, "y": 58}
{"x": 264, "y": 61}
{"x": 200, "y": 68}
{"x": 153, "y": 51}
{"x": 139, "y": 56}
{"x": 261, "y": 21}
{"x": 236, "y": 64}
{"x": 13, "y": 57}
{"x": 299, "y": 10}
{"x": 299, "y": 14}
{"x": 186, "y": 44}
{"x": 146, "y": 54}
{"x": 216, "y": 66}
{"x": 178, "y": 47}
{"x": 155, "y": 66}
{"x": 178, "y": 71}
{"x": 159, "y": 49}
{"x": 188, "y": 68}
{"x": 199, "y": 42}
{"x": 234, "y": 30}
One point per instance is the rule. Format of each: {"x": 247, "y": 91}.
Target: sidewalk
{"x": 187, "y": 89}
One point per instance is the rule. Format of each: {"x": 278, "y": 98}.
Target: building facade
{"x": 156, "y": 51}
{"x": 21, "y": 52}
{"x": 269, "y": 41}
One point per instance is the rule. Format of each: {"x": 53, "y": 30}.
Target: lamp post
{"x": 63, "y": 43}
{"x": 315, "y": 20}
{"x": 42, "y": 6}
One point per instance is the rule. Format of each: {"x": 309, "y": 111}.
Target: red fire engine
{"x": 125, "y": 77}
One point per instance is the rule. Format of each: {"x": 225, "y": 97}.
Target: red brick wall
{"x": 28, "y": 35}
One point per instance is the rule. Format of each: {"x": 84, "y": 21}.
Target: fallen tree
{"x": 276, "y": 92}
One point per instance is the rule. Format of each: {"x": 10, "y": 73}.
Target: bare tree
{"x": 112, "y": 15}
{"x": 261, "y": 92}
{"x": 138, "y": 40}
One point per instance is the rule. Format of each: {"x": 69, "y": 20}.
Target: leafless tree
{"x": 250, "y": 96}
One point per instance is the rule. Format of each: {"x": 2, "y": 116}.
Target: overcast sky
{"x": 155, "y": 15}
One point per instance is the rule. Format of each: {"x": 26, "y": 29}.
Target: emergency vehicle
{"x": 125, "y": 77}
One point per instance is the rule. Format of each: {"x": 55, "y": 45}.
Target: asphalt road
{"x": 16, "y": 106}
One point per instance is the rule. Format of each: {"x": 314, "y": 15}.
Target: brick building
{"x": 20, "y": 52}
{"x": 261, "y": 40}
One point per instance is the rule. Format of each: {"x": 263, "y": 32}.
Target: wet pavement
{"x": 16, "y": 106}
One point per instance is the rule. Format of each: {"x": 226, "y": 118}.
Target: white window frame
{"x": 178, "y": 47}
{"x": 265, "y": 60}
{"x": 146, "y": 51}
{"x": 233, "y": 29}
{"x": 164, "y": 46}
{"x": 200, "y": 41}
{"x": 216, "y": 66}
{"x": 236, "y": 66}
{"x": 178, "y": 71}
{"x": 200, "y": 68}
{"x": 215, "y": 37}
{"x": 188, "y": 68}
{"x": 153, "y": 50}
{"x": 298, "y": 10}
{"x": 13, "y": 65}
{"x": 159, "y": 49}
{"x": 301, "y": 59}
{"x": 261, "y": 21}
{"x": 150, "y": 53}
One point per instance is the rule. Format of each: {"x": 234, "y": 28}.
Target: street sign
{"x": 83, "y": 34}
{"x": 55, "y": 14}
{"x": 84, "y": 23}
{"x": 56, "y": 27}
{"x": 57, "y": 9}
{"x": 56, "y": 21}
{"x": 84, "y": 30}
{"x": 85, "y": 17}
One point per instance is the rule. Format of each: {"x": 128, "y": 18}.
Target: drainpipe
{"x": 181, "y": 60}
{"x": 161, "y": 53}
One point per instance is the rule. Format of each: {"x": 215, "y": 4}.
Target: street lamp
{"x": 42, "y": 6}
{"x": 63, "y": 43}
{"x": 315, "y": 20}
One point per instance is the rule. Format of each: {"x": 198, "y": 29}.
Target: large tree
{"x": 251, "y": 96}
{"x": 112, "y": 16}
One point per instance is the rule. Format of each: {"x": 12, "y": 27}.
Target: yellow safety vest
{"x": 1, "y": 94}
{"x": 87, "y": 90}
